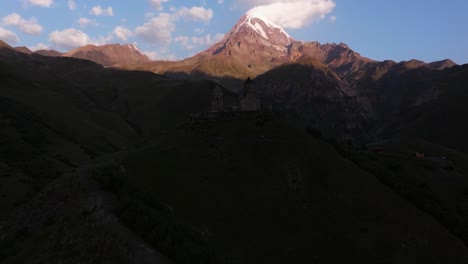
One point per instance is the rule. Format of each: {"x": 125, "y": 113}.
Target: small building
{"x": 419, "y": 155}
{"x": 378, "y": 150}
{"x": 249, "y": 101}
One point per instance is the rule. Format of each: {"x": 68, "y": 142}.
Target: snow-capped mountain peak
{"x": 256, "y": 24}
{"x": 255, "y": 19}
{"x": 254, "y": 40}
{"x": 133, "y": 47}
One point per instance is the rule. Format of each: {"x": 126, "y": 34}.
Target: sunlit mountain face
{"x": 167, "y": 132}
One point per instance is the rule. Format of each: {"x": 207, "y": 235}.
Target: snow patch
{"x": 260, "y": 30}
{"x": 133, "y": 47}
{"x": 251, "y": 15}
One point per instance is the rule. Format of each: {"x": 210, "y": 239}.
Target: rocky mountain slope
{"x": 23, "y": 49}
{"x": 49, "y": 53}
{"x": 253, "y": 46}
{"x": 109, "y": 55}
{"x": 106, "y": 55}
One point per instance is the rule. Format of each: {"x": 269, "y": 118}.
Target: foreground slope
{"x": 259, "y": 190}
{"x": 245, "y": 189}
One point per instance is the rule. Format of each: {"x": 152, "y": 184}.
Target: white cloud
{"x": 218, "y": 37}
{"x": 207, "y": 40}
{"x": 169, "y": 56}
{"x": 103, "y": 40}
{"x": 184, "y": 42}
{"x": 149, "y": 15}
{"x": 122, "y": 33}
{"x": 196, "y": 13}
{"x": 158, "y": 4}
{"x": 153, "y": 55}
{"x": 200, "y": 42}
{"x": 220, "y": 1}
{"x": 39, "y": 46}
{"x": 69, "y": 39}
{"x": 8, "y": 36}
{"x": 253, "y": 3}
{"x": 157, "y": 30}
{"x": 333, "y": 19}
{"x": 30, "y": 26}
{"x": 199, "y": 30}
{"x": 71, "y": 5}
{"x": 292, "y": 14}
{"x": 43, "y": 3}
{"x": 99, "y": 11}
{"x": 86, "y": 21}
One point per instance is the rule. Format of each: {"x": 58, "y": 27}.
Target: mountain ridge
{"x": 251, "y": 47}
{"x": 255, "y": 45}
{"x": 109, "y": 54}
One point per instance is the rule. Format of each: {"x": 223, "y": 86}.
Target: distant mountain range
{"x": 252, "y": 47}
{"x": 109, "y": 55}
{"x": 106, "y": 55}
{"x": 255, "y": 45}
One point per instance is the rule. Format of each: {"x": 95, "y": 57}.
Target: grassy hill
{"x": 255, "y": 190}
{"x": 57, "y": 114}
{"x": 436, "y": 182}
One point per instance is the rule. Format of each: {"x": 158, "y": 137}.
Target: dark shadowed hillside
{"x": 250, "y": 185}
{"x": 277, "y": 190}
{"x": 58, "y": 113}
{"x": 441, "y": 120}
{"x": 315, "y": 95}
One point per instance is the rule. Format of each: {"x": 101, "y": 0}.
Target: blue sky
{"x": 170, "y": 29}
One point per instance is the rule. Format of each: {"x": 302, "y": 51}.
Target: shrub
{"x": 109, "y": 177}
{"x": 314, "y": 132}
